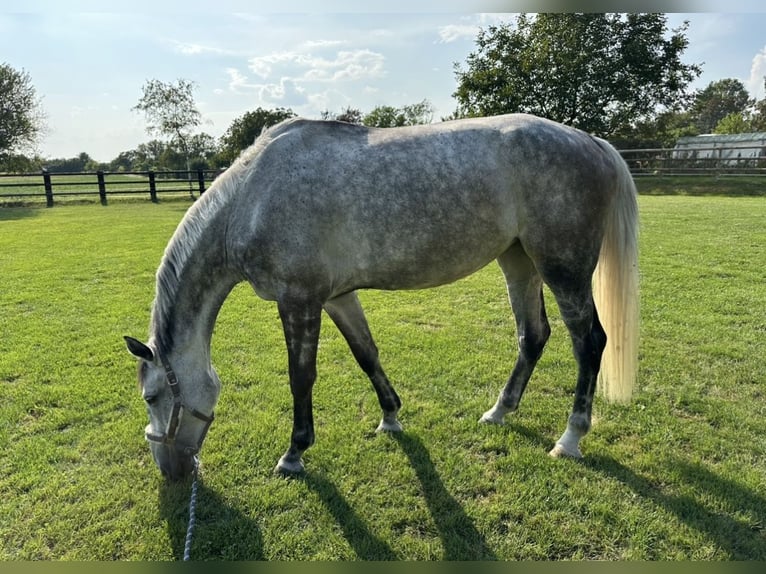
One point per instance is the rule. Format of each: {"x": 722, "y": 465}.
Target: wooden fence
{"x": 710, "y": 161}
{"x": 31, "y": 188}
{"x": 51, "y": 187}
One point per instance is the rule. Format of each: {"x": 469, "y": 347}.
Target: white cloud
{"x": 192, "y": 49}
{"x": 237, "y": 80}
{"x": 757, "y": 72}
{"x": 342, "y": 66}
{"x": 454, "y": 32}
{"x": 269, "y": 92}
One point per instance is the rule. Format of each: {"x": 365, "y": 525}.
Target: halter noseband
{"x": 169, "y": 436}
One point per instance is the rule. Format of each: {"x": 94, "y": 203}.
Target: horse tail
{"x": 616, "y": 287}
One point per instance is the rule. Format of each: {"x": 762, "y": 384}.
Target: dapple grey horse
{"x": 314, "y": 211}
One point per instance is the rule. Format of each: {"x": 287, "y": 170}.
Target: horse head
{"x": 179, "y": 417}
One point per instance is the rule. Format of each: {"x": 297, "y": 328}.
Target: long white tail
{"x": 616, "y": 289}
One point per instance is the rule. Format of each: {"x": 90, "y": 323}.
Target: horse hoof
{"x": 289, "y": 467}
{"x": 491, "y": 418}
{"x": 560, "y": 451}
{"x": 389, "y": 426}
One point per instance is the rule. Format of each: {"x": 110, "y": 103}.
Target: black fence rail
{"x": 50, "y": 187}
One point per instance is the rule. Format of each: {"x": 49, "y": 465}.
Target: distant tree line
{"x": 618, "y": 76}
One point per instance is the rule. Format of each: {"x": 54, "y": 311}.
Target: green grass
{"x": 723, "y": 185}
{"x": 676, "y": 474}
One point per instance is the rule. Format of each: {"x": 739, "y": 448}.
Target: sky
{"x": 89, "y": 60}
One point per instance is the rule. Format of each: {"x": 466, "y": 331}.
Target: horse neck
{"x": 192, "y": 283}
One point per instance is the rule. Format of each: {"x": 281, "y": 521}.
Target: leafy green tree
{"x": 170, "y": 111}
{"x": 383, "y": 117}
{"x": 244, "y": 130}
{"x": 758, "y": 114}
{"x": 22, "y": 120}
{"x": 349, "y": 115}
{"x": 202, "y": 149}
{"x": 148, "y": 156}
{"x": 734, "y": 123}
{"x": 124, "y": 161}
{"x": 82, "y": 162}
{"x": 409, "y": 115}
{"x": 598, "y": 72}
{"x": 717, "y": 101}
{"x": 661, "y": 131}
{"x": 18, "y": 163}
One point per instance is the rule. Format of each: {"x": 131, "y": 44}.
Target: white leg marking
{"x": 568, "y": 444}
{"x": 495, "y": 415}
{"x": 389, "y": 423}
{"x": 285, "y": 466}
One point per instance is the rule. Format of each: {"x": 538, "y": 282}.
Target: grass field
{"x": 677, "y": 474}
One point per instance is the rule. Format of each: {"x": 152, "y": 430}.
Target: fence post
{"x": 201, "y": 181}
{"x": 101, "y": 186}
{"x": 152, "y": 187}
{"x": 48, "y": 188}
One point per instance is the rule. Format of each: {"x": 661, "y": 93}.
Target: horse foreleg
{"x": 347, "y": 313}
{"x": 301, "y": 324}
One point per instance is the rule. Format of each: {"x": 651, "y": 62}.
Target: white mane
{"x": 190, "y": 232}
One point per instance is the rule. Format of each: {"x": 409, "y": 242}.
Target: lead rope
{"x": 192, "y": 512}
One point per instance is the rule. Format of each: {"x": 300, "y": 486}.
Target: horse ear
{"x": 139, "y": 350}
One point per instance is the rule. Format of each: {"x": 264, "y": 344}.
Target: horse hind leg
{"x": 347, "y": 314}
{"x": 588, "y": 342}
{"x": 526, "y": 297}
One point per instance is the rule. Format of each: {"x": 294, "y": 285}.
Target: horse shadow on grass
{"x": 221, "y": 532}
{"x": 460, "y": 538}
{"x": 366, "y": 545}
{"x": 737, "y": 527}
{"x": 735, "y": 522}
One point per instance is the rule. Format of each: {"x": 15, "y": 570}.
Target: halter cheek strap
{"x": 176, "y": 415}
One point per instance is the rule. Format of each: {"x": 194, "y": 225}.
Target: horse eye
{"x": 150, "y": 399}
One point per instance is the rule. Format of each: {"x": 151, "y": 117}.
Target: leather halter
{"x": 176, "y": 414}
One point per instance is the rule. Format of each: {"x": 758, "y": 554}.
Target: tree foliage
{"x": 719, "y": 100}
{"x": 733, "y": 123}
{"x": 349, "y": 115}
{"x": 245, "y": 129}
{"x": 598, "y": 72}
{"x": 408, "y": 115}
{"x": 22, "y": 120}
{"x": 171, "y": 112}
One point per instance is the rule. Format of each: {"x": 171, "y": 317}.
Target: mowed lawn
{"x": 676, "y": 474}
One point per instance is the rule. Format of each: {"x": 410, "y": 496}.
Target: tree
{"x": 22, "y": 120}
{"x": 733, "y": 123}
{"x": 244, "y": 130}
{"x": 383, "y": 117}
{"x": 171, "y": 112}
{"x": 409, "y": 115}
{"x": 349, "y": 115}
{"x": 82, "y": 162}
{"x": 758, "y": 114}
{"x": 202, "y": 149}
{"x": 718, "y": 100}
{"x": 598, "y": 72}
{"x": 661, "y": 131}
